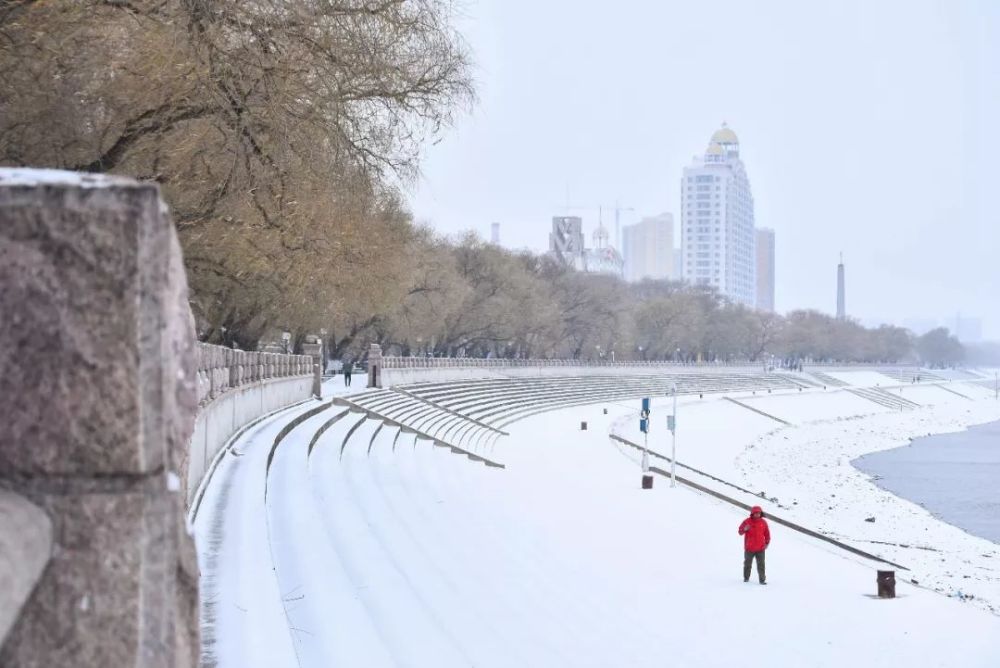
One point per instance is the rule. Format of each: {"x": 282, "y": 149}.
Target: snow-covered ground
{"x": 396, "y": 552}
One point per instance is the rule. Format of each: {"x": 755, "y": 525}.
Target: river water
{"x": 956, "y": 477}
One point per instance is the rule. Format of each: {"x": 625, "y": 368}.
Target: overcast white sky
{"x": 867, "y": 126}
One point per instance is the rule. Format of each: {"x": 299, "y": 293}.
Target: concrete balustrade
{"x": 247, "y": 385}
{"x": 405, "y": 370}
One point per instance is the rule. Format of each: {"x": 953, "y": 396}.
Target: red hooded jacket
{"x": 756, "y": 535}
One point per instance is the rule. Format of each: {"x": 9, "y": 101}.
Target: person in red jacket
{"x": 756, "y": 538}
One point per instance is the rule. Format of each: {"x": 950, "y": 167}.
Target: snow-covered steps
{"x": 912, "y": 375}
{"x": 827, "y": 380}
{"x": 883, "y": 398}
{"x": 418, "y": 432}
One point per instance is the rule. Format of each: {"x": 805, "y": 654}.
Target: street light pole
{"x": 673, "y": 443}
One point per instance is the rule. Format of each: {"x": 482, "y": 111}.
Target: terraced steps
{"x": 827, "y": 380}
{"x": 471, "y": 414}
{"x": 883, "y": 398}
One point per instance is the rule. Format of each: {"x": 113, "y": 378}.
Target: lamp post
{"x": 673, "y": 441}
{"x": 322, "y": 350}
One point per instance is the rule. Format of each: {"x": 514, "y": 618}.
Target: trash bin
{"x": 886, "y": 584}
{"x": 583, "y": 426}
{"x": 647, "y": 481}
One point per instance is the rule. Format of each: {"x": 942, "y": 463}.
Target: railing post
{"x": 375, "y": 365}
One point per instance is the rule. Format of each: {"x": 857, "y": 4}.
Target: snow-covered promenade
{"x": 352, "y": 542}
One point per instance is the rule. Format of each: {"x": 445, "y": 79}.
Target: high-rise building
{"x": 648, "y": 247}
{"x": 765, "y": 269}
{"x": 495, "y": 233}
{"x": 841, "y": 296}
{"x": 717, "y": 221}
{"x": 678, "y": 273}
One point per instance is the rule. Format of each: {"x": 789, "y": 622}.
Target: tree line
{"x": 463, "y": 296}
{"x": 282, "y": 134}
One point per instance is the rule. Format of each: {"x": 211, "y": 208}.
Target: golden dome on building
{"x": 725, "y": 136}
{"x": 714, "y": 148}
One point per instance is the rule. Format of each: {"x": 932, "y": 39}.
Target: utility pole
{"x": 647, "y": 477}
{"x": 673, "y": 441}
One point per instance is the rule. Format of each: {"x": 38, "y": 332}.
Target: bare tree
{"x": 273, "y": 126}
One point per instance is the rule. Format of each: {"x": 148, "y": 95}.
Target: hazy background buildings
{"x": 765, "y": 268}
{"x": 648, "y": 248}
{"x": 867, "y": 128}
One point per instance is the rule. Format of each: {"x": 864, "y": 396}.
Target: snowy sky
{"x": 866, "y": 127}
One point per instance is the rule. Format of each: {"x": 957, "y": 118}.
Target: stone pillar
{"x": 374, "y": 365}
{"x": 317, "y": 388}
{"x": 99, "y": 387}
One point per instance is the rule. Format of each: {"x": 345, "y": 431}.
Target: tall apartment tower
{"x": 495, "y": 233}
{"x": 841, "y": 306}
{"x": 649, "y": 248}
{"x": 765, "y": 268}
{"x": 717, "y": 221}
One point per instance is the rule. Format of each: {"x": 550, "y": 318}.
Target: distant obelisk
{"x": 841, "y": 310}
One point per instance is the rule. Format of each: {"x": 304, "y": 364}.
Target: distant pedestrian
{"x": 347, "y": 374}
{"x": 756, "y": 538}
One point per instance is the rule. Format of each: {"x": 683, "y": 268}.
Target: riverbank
{"x": 793, "y": 450}
{"x": 955, "y": 476}
{"x": 808, "y": 467}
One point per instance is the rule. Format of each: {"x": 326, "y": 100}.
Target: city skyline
{"x": 861, "y": 136}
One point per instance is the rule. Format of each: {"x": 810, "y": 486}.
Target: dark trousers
{"x": 347, "y": 379}
{"x": 748, "y": 558}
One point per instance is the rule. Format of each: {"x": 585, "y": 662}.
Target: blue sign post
{"x": 644, "y": 425}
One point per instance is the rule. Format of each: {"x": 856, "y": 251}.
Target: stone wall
{"x": 113, "y": 413}
{"x": 98, "y": 378}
